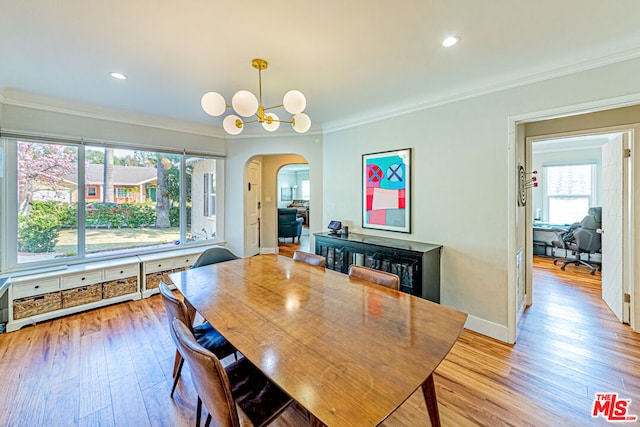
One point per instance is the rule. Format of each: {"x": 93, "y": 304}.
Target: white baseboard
{"x": 268, "y": 250}
{"x": 490, "y": 329}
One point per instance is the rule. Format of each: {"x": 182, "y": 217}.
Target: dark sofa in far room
{"x": 303, "y": 209}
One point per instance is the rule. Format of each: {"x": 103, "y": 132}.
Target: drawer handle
{"x": 121, "y": 271}
{"x": 37, "y": 287}
{"x": 83, "y": 278}
{"x": 159, "y": 265}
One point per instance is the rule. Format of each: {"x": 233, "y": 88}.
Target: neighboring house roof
{"x": 122, "y": 175}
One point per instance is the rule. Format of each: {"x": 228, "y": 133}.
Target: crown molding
{"x": 113, "y": 116}
{"x": 338, "y": 125}
{"x": 276, "y": 134}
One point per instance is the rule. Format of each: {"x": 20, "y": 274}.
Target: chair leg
{"x": 591, "y": 267}
{"x": 198, "y": 412}
{"x": 208, "y": 422}
{"x": 177, "y": 364}
{"x": 177, "y": 377}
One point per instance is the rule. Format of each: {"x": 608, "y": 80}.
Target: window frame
{"x": 9, "y": 216}
{"x": 591, "y": 197}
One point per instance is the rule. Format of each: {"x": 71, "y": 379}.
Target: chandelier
{"x": 247, "y": 105}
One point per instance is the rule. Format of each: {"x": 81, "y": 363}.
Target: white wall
{"x": 461, "y": 194}
{"x": 240, "y": 151}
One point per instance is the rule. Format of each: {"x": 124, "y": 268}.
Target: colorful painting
{"x": 386, "y": 183}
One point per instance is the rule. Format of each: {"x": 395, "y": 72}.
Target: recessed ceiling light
{"x": 117, "y": 75}
{"x": 450, "y": 41}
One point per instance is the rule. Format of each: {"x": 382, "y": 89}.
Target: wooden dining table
{"x": 348, "y": 351}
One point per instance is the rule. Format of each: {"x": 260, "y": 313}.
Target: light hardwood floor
{"x": 112, "y": 366}
{"x": 286, "y": 247}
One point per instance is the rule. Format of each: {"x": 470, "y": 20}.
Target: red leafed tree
{"x": 42, "y": 166}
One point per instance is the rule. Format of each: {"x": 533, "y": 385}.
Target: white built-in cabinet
{"x": 70, "y": 289}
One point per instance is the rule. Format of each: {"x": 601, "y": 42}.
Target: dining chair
{"x": 378, "y": 277}
{"x": 238, "y": 395}
{"x": 312, "y": 259}
{"x": 206, "y": 335}
{"x": 214, "y": 255}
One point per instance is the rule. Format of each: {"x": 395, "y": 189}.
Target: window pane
{"x": 202, "y": 221}
{"x": 567, "y": 210}
{"x": 47, "y": 201}
{"x": 306, "y": 193}
{"x": 140, "y": 204}
{"x": 568, "y": 180}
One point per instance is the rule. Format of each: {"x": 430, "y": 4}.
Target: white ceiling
{"x": 580, "y": 142}
{"x": 354, "y": 60}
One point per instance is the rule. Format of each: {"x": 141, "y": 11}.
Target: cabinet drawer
{"x": 83, "y": 279}
{"x": 185, "y": 261}
{"x": 123, "y": 272}
{"x": 161, "y": 265}
{"x": 22, "y": 290}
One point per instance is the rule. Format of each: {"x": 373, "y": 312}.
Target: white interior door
{"x": 252, "y": 209}
{"x": 613, "y": 208}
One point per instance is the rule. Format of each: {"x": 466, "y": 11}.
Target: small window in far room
{"x": 569, "y": 192}
{"x": 305, "y": 190}
{"x": 92, "y": 191}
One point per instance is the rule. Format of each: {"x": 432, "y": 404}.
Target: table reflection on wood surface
{"x": 348, "y": 351}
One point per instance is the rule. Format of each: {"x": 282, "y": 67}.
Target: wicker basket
{"x": 153, "y": 279}
{"x": 119, "y": 287}
{"x": 81, "y": 295}
{"x": 38, "y": 304}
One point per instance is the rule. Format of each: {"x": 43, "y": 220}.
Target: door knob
{"x": 600, "y": 231}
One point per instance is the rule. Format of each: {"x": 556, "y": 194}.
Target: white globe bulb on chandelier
{"x": 245, "y": 104}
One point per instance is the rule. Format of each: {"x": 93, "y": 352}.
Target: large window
{"x": 569, "y": 192}
{"x": 144, "y": 203}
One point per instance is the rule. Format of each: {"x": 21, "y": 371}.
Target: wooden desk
{"x": 350, "y": 353}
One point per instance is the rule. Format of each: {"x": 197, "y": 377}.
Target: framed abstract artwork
{"x": 386, "y": 190}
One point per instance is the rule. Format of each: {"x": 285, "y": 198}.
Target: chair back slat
{"x": 312, "y": 259}
{"x": 378, "y": 277}
{"x": 175, "y": 308}
{"x": 209, "y": 377}
{"x": 213, "y": 256}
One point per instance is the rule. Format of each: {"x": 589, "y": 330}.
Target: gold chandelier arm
{"x": 249, "y": 121}
{"x": 260, "y": 84}
{"x": 275, "y": 106}
{"x": 283, "y": 121}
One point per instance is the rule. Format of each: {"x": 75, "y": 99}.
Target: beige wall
{"x": 240, "y": 151}
{"x": 269, "y": 215}
{"x": 464, "y": 190}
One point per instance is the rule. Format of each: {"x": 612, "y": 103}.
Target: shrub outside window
{"x": 144, "y": 203}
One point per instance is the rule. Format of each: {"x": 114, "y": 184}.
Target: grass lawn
{"x": 100, "y": 239}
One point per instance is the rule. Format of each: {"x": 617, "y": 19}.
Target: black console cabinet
{"x": 417, "y": 264}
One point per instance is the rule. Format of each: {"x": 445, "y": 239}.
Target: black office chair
{"x": 584, "y": 238}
